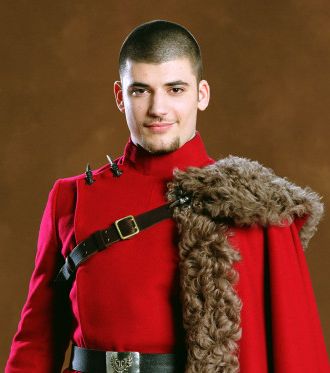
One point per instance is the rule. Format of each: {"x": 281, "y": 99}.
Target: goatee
{"x": 162, "y": 149}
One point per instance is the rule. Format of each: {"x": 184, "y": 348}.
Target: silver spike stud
{"x": 89, "y": 175}
{"x": 114, "y": 167}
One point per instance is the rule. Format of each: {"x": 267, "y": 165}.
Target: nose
{"x": 158, "y": 105}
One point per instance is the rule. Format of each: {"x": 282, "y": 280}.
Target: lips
{"x": 159, "y": 124}
{"x": 159, "y": 127}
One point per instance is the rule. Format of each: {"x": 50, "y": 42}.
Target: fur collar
{"x": 248, "y": 193}
{"x": 231, "y": 191}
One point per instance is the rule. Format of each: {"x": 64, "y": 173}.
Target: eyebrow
{"x": 169, "y": 84}
{"x": 177, "y": 82}
{"x": 138, "y": 84}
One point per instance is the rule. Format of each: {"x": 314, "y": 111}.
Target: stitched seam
{"x": 54, "y": 212}
{"x": 76, "y": 279}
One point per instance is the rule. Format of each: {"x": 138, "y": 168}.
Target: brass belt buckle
{"x": 135, "y": 227}
{"x": 122, "y": 362}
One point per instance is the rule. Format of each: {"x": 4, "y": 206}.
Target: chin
{"x": 155, "y": 147}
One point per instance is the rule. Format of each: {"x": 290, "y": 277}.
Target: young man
{"x": 222, "y": 287}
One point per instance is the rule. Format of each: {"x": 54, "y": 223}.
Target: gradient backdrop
{"x": 268, "y": 63}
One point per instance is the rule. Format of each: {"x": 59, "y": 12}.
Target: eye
{"x": 138, "y": 91}
{"x": 177, "y": 90}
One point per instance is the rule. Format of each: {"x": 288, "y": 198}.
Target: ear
{"x": 117, "y": 89}
{"x": 203, "y": 95}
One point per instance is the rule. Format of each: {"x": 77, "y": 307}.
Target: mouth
{"x": 159, "y": 127}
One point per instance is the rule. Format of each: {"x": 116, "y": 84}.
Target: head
{"x": 161, "y": 86}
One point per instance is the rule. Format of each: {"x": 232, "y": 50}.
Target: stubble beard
{"x": 162, "y": 149}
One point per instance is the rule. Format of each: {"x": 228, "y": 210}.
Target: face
{"x": 160, "y": 102}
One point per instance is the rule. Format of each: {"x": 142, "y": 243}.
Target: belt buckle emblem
{"x": 123, "y": 362}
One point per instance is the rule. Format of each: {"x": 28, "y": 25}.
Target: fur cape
{"x": 232, "y": 191}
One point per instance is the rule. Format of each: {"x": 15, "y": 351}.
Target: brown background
{"x": 268, "y": 63}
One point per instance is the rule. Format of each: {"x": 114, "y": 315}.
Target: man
{"x": 222, "y": 287}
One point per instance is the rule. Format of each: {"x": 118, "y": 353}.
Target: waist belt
{"x": 121, "y": 229}
{"x": 95, "y": 361}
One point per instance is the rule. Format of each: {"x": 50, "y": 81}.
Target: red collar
{"x": 192, "y": 153}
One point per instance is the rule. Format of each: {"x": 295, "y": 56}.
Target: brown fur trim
{"x": 231, "y": 191}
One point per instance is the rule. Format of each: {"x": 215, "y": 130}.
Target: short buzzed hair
{"x": 161, "y": 41}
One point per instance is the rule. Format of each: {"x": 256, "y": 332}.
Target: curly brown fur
{"x": 244, "y": 193}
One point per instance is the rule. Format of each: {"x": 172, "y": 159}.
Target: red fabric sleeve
{"x": 297, "y": 341}
{"x": 43, "y": 331}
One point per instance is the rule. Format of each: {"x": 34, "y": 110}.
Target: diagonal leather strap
{"x": 121, "y": 229}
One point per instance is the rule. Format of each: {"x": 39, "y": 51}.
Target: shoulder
{"x": 64, "y": 190}
{"x": 249, "y": 193}
{"x": 69, "y": 183}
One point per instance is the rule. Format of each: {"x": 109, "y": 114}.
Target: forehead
{"x": 153, "y": 73}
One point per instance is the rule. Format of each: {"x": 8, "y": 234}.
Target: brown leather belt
{"x": 95, "y": 361}
{"x": 121, "y": 229}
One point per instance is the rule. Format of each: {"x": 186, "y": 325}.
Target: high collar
{"x": 192, "y": 153}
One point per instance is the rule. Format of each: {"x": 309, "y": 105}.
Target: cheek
{"x": 137, "y": 109}
{"x": 187, "y": 109}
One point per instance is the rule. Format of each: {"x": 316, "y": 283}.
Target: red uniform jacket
{"x": 126, "y": 297}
